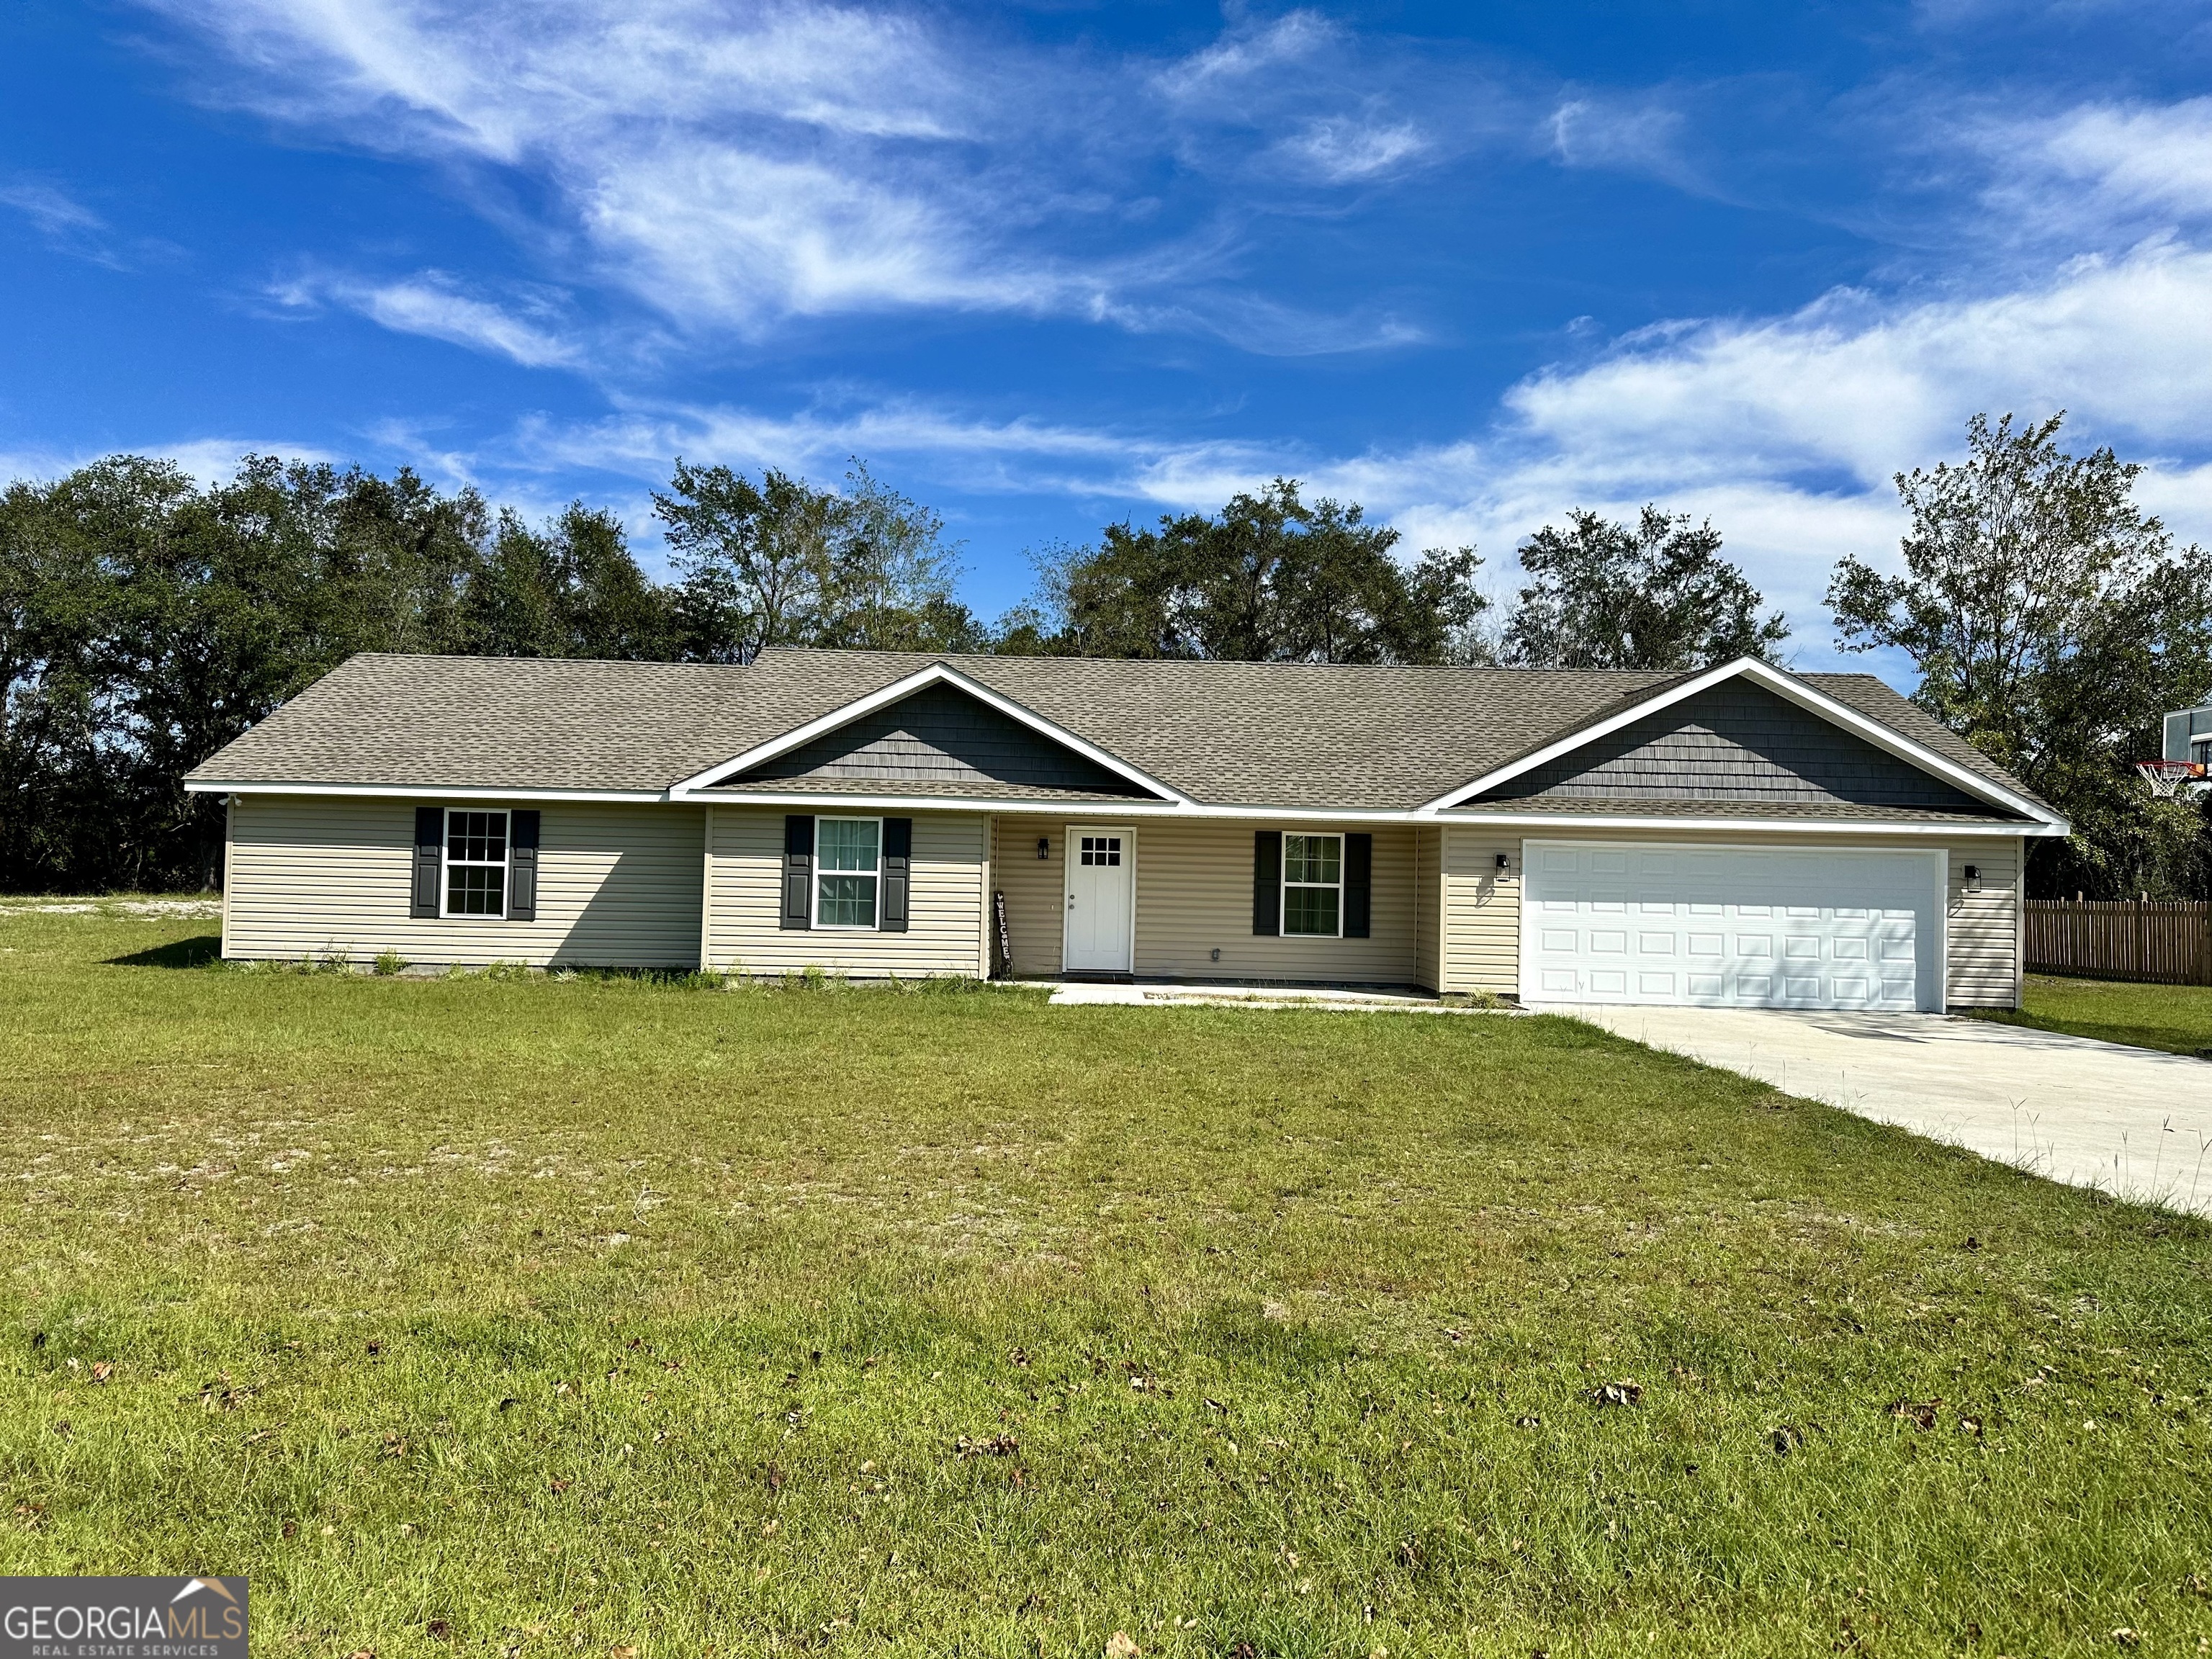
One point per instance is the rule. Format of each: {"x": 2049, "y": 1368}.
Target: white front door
{"x": 1731, "y": 926}
{"x": 1102, "y": 894}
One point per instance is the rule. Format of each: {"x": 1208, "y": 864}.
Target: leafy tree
{"x": 144, "y": 623}
{"x": 1271, "y": 579}
{"x": 571, "y": 588}
{"x": 1654, "y": 594}
{"x": 2053, "y": 623}
{"x": 783, "y": 562}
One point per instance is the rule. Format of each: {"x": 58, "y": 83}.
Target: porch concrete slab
{"x": 2133, "y": 1123}
{"x": 1341, "y": 999}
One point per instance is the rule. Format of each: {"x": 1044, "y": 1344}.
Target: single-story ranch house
{"x": 1739, "y": 835}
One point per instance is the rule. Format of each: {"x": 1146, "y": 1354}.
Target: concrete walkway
{"x": 2135, "y": 1122}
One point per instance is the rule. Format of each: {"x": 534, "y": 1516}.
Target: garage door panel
{"x": 1847, "y": 929}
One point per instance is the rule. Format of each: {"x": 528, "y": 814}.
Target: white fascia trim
{"x": 419, "y": 791}
{"x": 937, "y": 673}
{"x": 1782, "y": 684}
{"x": 1683, "y": 827}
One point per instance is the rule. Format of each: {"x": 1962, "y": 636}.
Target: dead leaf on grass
{"x": 1626, "y": 1392}
{"x": 999, "y": 1445}
{"x": 1122, "y": 1645}
{"x": 102, "y": 1369}
{"x": 1921, "y": 1413}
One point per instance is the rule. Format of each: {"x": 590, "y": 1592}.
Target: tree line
{"x": 146, "y": 620}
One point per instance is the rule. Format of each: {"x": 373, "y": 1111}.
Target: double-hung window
{"x": 847, "y": 871}
{"x": 1313, "y": 886}
{"x": 476, "y": 864}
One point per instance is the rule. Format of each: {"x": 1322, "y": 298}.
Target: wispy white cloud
{"x": 735, "y": 168}
{"x": 206, "y": 460}
{"x": 52, "y": 212}
{"x": 2100, "y": 170}
{"x": 434, "y": 305}
{"x": 1342, "y": 149}
{"x": 1640, "y": 133}
{"x": 61, "y": 221}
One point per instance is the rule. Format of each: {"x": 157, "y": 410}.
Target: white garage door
{"x": 1730, "y": 926}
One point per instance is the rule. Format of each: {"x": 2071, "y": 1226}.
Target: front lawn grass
{"x": 2178, "y": 1018}
{"x": 529, "y": 1316}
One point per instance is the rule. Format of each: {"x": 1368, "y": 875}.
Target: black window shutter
{"x": 799, "y": 869}
{"x": 429, "y": 858}
{"x": 1358, "y": 878}
{"x": 898, "y": 866}
{"x": 522, "y": 867}
{"x": 1268, "y": 882}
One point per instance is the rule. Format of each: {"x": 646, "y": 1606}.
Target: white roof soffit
{"x": 1783, "y": 684}
{"x": 937, "y": 673}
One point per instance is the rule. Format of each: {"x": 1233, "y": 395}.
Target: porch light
{"x": 1973, "y": 877}
{"x": 1044, "y": 846}
{"x": 1504, "y": 860}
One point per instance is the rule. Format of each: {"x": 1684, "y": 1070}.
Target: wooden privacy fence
{"x": 2168, "y": 942}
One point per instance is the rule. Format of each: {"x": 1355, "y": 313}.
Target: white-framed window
{"x": 475, "y": 863}
{"x": 1104, "y": 851}
{"x": 849, "y": 864}
{"x": 1313, "y": 886}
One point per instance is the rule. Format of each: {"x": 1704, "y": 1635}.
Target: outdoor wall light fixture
{"x": 1044, "y": 846}
{"x": 1504, "y": 860}
{"x": 1973, "y": 877}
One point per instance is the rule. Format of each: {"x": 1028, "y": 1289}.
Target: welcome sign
{"x": 122, "y": 1619}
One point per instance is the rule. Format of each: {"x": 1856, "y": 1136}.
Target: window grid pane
{"x": 846, "y": 901}
{"x": 476, "y": 864}
{"x": 1102, "y": 850}
{"x": 846, "y": 843}
{"x": 1312, "y": 859}
{"x": 476, "y": 889}
{"x": 1310, "y": 911}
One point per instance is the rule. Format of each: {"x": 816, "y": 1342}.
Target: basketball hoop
{"x": 2167, "y": 778}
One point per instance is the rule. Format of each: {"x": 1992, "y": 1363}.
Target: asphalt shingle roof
{"x": 1225, "y": 733}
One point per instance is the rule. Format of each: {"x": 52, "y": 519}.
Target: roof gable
{"x": 1734, "y": 742}
{"x": 1931, "y": 750}
{"x": 887, "y": 747}
{"x": 941, "y": 737}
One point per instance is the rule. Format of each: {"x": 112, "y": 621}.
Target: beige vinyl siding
{"x": 1428, "y": 908}
{"x": 1035, "y": 890}
{"x": 1195, "y": 895}
{"x": 1481, "y": 911}
{"x": 322, "y": 875}
{"x": 1984, "y": 927}
{"x": 1482, "y": 904}
{"x": 945, "y": 906}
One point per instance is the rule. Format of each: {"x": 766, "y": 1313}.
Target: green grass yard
{"x": 2173, "y": 1016}
{"x": 539, "y": 1317}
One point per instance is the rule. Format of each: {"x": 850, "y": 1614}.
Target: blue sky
{"x": 1045, "y": 266}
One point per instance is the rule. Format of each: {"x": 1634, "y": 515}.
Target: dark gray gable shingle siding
{"x": 940, "y": 734}
{"x": 1735, "y": 743}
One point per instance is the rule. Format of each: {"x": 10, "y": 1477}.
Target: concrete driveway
{"x": 2135, "y": 1122}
